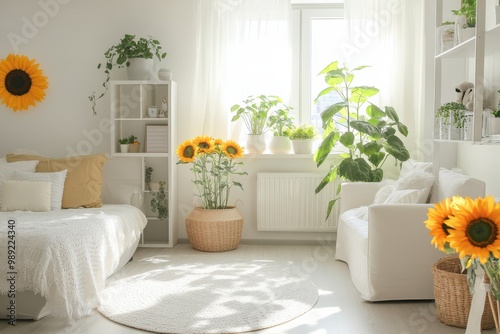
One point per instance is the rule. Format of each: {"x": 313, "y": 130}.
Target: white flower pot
{"x": 140, "y": 69}
{"x": 303, "y": 146}
{"x": 493, "y": 126}
{"x": 256, "y": 144}
{"x": 466, "y": 34}
{"x": 124, "y": 148}
{"x": 280, "y": 145}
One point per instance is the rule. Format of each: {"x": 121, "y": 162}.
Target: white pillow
{"x": 26, "y": 196}
{"x": 386, "y": 188}
{"x": 56, "y": 178}
{"x": 409, "y": 166}
{"x": 454, "y": 184}
{"x": 419, "y": 180}
{"x": 407, "y": 196}
{"x": 7, "y": 170}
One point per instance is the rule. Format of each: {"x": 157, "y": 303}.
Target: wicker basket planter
{"x": 452, "y": 296}
{"x": 214, "y": 230}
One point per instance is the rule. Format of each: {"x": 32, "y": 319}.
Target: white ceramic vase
{"x": 280, "y": 145}
{"x": 140, "y": 69}
{"x": 303, "y": 146}
{"x": 493, "y": 126}
{"x": 256, "y": 144}
{"x": 124, "y": 148}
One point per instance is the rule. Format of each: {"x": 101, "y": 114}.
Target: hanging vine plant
{"x": 22, "y": 83}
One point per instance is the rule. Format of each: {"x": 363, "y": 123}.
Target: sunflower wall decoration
{"x": 22, "y": 83}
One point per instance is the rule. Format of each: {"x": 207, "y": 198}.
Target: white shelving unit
{"x": 466, "y": 62}
{"x": 129, "y": 116}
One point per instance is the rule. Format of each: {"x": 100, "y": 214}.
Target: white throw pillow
{"x": 454, "y": 184}
{"x": 419, "y": 180}
{"x": 56, "y": 178}
{"x": 410, "y": 166}
{"x": 26, "y": 195}
{"x": 386, "y": 188}
{"x": 407, "y": 196}
{"x": 7, "y": 170}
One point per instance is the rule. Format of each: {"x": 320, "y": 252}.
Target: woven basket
{"x": 214, "y": 230}
{"x": 452, "y": 296}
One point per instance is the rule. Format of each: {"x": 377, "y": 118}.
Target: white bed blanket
{"x": 67, "y": 255}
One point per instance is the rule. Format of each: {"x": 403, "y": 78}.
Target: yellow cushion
{"x": 83, "y": 185}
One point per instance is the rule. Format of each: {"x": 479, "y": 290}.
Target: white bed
{"x": 62, "y": 258}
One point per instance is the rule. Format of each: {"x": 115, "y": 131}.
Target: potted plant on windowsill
{"x": 281, "y": 123}
{"x": 254, "y": 111}
{"x": 302, "y": 138}
{"x": 135, "y": 55}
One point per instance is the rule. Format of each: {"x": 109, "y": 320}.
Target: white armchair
{"x": 387, "y": 246}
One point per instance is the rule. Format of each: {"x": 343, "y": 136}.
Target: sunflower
{"x": 186, "y": 151}
{"x": 231, "y": 149}
{"x": 437, "y": 223}
{"x": 21, "y": 82}
{"x": 204, "y": 144}
{"x": 476, "y": 228}
{"x": 218, "y": 142}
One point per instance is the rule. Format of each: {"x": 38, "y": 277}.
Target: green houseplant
{"x": 367, "y": 134}
{"x": 302, "y": 138}
{"x": 254, "y": 111}
{"x": 445, "y": 114}
{"x": 120, "y": 55}
{"x": 280, "y": 123}
{"x": 159, "y": 202}
{"x": 468, "y": 11}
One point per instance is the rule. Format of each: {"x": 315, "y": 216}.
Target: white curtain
{"x": 389, "y": 36}
{"x": 243, "y": 48}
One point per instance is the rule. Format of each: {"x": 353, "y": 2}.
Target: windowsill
{"x": 283, "y": 156}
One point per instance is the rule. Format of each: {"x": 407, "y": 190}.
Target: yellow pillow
{"x": 83, "y": 185}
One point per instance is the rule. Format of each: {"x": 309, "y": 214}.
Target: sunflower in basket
{"x": 213, "y": 167}
{"x": 470, "y": 228}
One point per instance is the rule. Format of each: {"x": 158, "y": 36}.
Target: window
{"x": 318, "y": 37}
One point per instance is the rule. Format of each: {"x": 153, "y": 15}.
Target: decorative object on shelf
{"x": 451, "y": 117}
{"x": 123, "y": 55}
{"x": 123, "y": 145}
{"x": 302, "y": 138}
{"x": 255, "y": 111}
{"x": 133, "y": 145}
{"x": 156, "y": 138}
{"x": 446, "y": 37}
{"x": 153, "y": 112}
{"x": 465, "y": 94}
{"x": 159, "y": 202}
{"x": 148, "y": 171}
{"x": 213, "y": 166}
{"x": 22, "y": 83}
{"x": 164, "y": 74}
{"x": 280, "y": 122}
{"x": 367, "y": 143}
{"x": 470, "y": 228}
{"x": 466, "y": 20}
{"x": 164, "y": 108}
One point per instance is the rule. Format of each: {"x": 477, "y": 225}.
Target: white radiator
{"x": 287, "y": 202}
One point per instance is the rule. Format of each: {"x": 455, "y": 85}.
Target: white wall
{"x": 68, "y": 39}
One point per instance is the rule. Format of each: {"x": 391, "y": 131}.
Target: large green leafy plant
{"x": 367, "y": 133}
{"x": 255, "y": 111}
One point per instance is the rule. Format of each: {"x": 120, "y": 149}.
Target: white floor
{"x": 339, "y": 309}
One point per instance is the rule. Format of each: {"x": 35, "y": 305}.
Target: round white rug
{"x": 166, "y": 296}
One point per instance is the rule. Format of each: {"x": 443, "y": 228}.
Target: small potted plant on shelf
{"x": 445, "y": 114}
{"x": 159, "y": 202}
{"x": 123, "y": 145}
{"x": 148, "y": 171}
{"x": 302, "y": 138}
{"x": 254, "y": 112}
{"x": 281, "y": 123}
{"x": 466, "y": 20}
{"x": 494, "y": 122}
{"x": 136, "y": 55}
{"x": 133, "y": 145}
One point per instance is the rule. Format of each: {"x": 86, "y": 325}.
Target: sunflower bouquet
{"x": 213, "y": 165}
{"x": 471, "y": 228}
